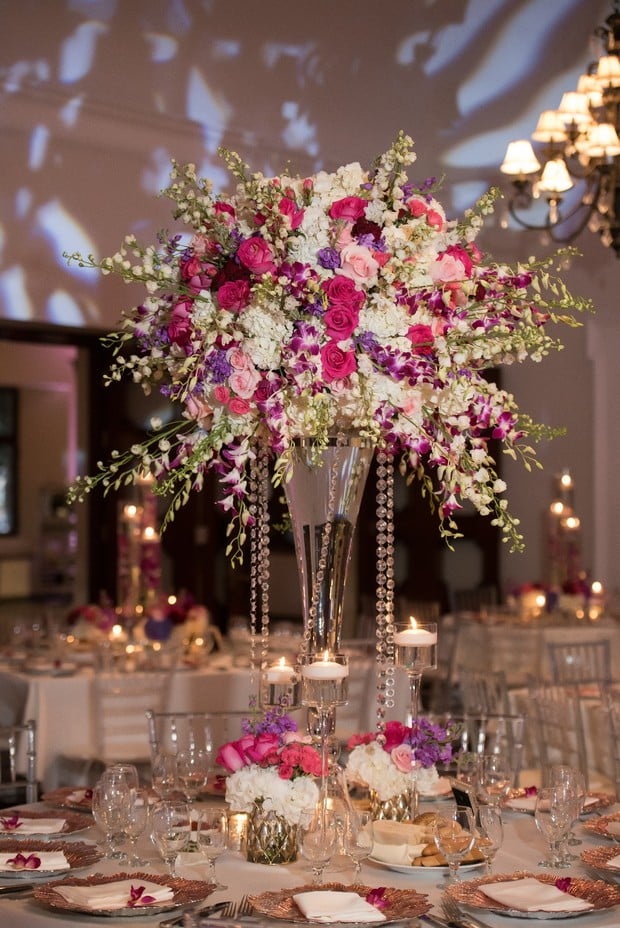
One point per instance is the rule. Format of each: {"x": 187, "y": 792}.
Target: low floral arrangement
{"x": 385, "y": 762}
{"x": 91, "y": 621}
{"x": 297, "y": 307}
{"x": 272, "y": 766}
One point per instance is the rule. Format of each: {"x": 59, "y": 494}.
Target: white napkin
{"x": 33, "y": 826}
{"x": 522, "y": 804}
{"x": 613, "y": 828}
{"x": 398, "y": 842}
{"x": 530, "y": 895}
{"x": 114, "y": 895}
{"x": 331, "y": 906}
{"x": 78, "y": 795}
{"x": 590, "y": 801}
{"x": 50, "y": 860}
{"x": 401, "y": 854}
{"x": 614, "y": 862}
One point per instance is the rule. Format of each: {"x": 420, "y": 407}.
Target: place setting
{"x": 77, "y": 799}
{"x": 606, "y": 826}
{"x": 40, "y": 860}
{"x": 18, "y": 823}
{"x": 604, "y": 860}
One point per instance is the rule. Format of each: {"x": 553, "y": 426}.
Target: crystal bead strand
{"x": 263, "y": 552}
{"x": 385, "y": 586}
{"x": 254, "y": 531}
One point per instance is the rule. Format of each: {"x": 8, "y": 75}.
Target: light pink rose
{"x": 244, "y": 382}
{"x": 337, "y": 364}
{"x": 344, "y": 237}
{"x": 238, "y": 359}
{"x": 256, "y": 254}
{"x": 358, "y": 263}
{"x": 447, "y": 268}
{"x": 401, "y": 757}
{"x": 199, "y": 410}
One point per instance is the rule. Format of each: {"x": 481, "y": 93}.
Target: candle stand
{"x": 324, "y": 686}
{"x": 280, "y": 686}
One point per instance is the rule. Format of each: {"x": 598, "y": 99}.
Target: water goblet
{"x": 553, "y": 815}
{"x": 212, "y": 837}
{"x": 358, "y": 839}
{"x": 136, "y": 824}
{"x": 573, "y": 778}
{"x": 320, "y": 842}
{"x": 454, "y": 833}
{"x": 170, "y": 830}
{"x": 164, "y": 774}
{"x": 490, "y": 834}
{"x": 192, "y": 772}
{"x": 467, "y": 767}
{"x": 110, "y": 807}
{"x": 494, "y": 779}
{"x": 129, "y": 771}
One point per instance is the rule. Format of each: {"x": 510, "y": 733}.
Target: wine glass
{"x": 573, "y": 778}
{"x": 164, "y": 774}
{"x": 110, "y": 807}
{"x": 454, "y": 833}
{"x": 319, "y": 842}
{"x": 467, "y": 767}
{"x": 212, "y": 837}
{"x": 494, "y": 779}
{"x": 490, "y": 834}
{"x": 358, "y": 839}
{"x": 129, "y": 771}
{"x": 170, "y": 830}
{"x": 136, "y": 823}
{"x": 192, "y": 772}
{"x": 553, "y": 816}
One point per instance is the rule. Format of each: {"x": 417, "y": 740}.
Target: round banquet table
{"x": 522, "y": 848}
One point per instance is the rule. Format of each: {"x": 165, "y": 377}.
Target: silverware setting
{"x": 228, "y": 910}
{"x": 456, "y": 917}
{"x": 17, "y": 888}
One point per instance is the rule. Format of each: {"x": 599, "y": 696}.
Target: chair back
{"x": 493, "y": 734}
{"x": 172, "y": 732}
{"x": 613, "y": 713}
{"x": 11, "y": 738}
{"x": 483, "y": 692}
{"x": 119, "y": 703}
{"x": 480, "y": 599}
{"x": 578, "y": 662}
{"x": 556, "y": 711}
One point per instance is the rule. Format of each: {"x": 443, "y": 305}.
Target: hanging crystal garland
{"x": 385, "y": 586}
{"x": 259, "y": 559}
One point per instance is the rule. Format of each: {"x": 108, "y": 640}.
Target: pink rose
{"x": 234, "y": 295}
{"x": 221, "y": 393}
{"x": 358, "y": 263}
{"x": 290, "y": 210}
{"x": 238, "y": 359}
{"x": 395, "y": 733}
{"x": 180, "y": 326}
{"x": 434, "y": 219}
{"x": 262, "y": 745}
{"x": 340, "y": 322}
{"x": 256, "y": 254}
{"x": 285, "y": 772}
{"x": 225, "y": 211}
{"x": 401, "y": 757}
{"x": 421, "y": 338}
{"x": 446, "y": 268}
{"x": 341, "y": 291}
{"x": 337, "y": 364}
{"x": 416, "y": 207}
{"x": 349, "y": 208}
{"x": 344, "y": 237}
{"x": 244, "y": 382}
{"x": 238, "y": 406}
{"x": 231, "y": 757}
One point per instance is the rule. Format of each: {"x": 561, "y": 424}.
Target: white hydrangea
{"x": 289, "y": 798}
{"x": 370, "y": 764}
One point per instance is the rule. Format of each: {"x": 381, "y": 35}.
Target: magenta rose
{"x": 421, "y": 338}
{"x": 341, "y": 291}
{"x": 256, "y": 254}
{"x": 232, "y": 755}
{"x": 349, "y": 208}
{"x": 401, "y": 757}
{"x": 225, "y": 211}
{"x": 239, "y": 406}
{"x": 261, "y": 746}
{"x": 289, "y": 208}
{"x": 395, "y": 733}
{"x": 180, "y": 325}
{"x": 340, "y": 322}
{"x": 337, "y": 364}
{"x": 234, "y": 295}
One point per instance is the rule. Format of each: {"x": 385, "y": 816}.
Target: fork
{"x": 237, "y": 909}
{"x": 456, "y": 917}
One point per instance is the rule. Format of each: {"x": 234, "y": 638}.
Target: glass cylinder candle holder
{"x": 415, "y": 650}
{"x": 324, "y": 680}
{"x": 280, "y": 686}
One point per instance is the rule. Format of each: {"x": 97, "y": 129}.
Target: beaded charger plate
{"x": 600, "y": 894}
{"x": 598, "y": 858}
{"x": 70, "y": 797}
{"x": 400, "y": 903}
{"x": 68, "y": 823}
{"x": 78, "y": 855}
{"x": 185, "y": 892}
{"x": 606, "y": 825}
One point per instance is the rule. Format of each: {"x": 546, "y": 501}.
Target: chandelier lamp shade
{"x": 574, "y": 163}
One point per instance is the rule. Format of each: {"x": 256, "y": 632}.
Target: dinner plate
{"x": 597, "y": 858}
{"x": 79, "y": 799}
{"x": 51, "y": 668}
{"x": 185, "y": 892}
{"x": 595, "y": 802}
{"x": 400, "y": 903}
{"x": 78, "y": 854}
{"x": 406, "y": 868}
{"x": 602, "y": 895}
{"x": 600, "y": 826}
{"x": 73, "y": 822}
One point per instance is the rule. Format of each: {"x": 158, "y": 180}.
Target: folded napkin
{"x": 50, "y": 860}
{"x": 401, "y": 854}
{"x": 522, "y": 803}
{"x": 15, "y": 824}
{"x": 530, "y": 895}
{"x": 79, "y": 795}
{"x": 613, "y": 828}
{"x": 116, "y": 895}
{"x": 590, "y": 801}
{"x": 398, "y": 842}
{"x": 614, "y": 862}
{"x": 332, "y": 906}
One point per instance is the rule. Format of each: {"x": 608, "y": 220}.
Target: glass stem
{"x": 414, "y": 688}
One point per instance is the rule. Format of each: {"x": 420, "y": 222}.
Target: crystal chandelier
{"x": 576, "y": 170}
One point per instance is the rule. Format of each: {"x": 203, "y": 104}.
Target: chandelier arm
{"x": 549, "y": 225}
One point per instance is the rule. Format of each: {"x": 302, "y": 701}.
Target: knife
{"x": 17, "y": 888}
{"x": 435, "y": 920}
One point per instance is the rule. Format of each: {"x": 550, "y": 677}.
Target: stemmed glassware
{"x": 490, "y": 833}
{"x": 192, "y": 772}
{"x": 415, "y": 650}
{"x": 110, "y": 806}
{"x": 212, "y": 837}
{"x": 164, "y": 774}
{"x": 574, "y": 780}
{"x": 494, "y": 779}
{"x": 358, "y": 839}
{"x": 553, "y": 817}
{"x": 320, "y": 841}
{"x": 454, "y": 833}
{"x": 170, "y": 830}
{"x": 136, "y": 824}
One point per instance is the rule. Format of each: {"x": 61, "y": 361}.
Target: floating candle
{"x": 415, "y": 636}
{"x": 325, "y": 669}
{"x": 280, "y": 672}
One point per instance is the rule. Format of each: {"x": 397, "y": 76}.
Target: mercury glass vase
{"x": 270, "y": 839}
{"x": 397, "y": 808}
{"x": 324, "y": 495}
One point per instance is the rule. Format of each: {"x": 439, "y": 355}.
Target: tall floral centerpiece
{"x": 296, "y": 313}
{"x": 399, "y": 763}
{"x": 273, "y": 771}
